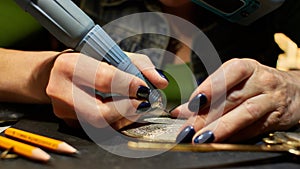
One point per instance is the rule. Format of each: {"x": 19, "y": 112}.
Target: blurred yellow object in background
{"x": 290, "y": 59}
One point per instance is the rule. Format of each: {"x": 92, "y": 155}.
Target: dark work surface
{"x": 92, "y": 156}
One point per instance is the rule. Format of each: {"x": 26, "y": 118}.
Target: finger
{"x": 100, "y": 114}
{"x": 242, "y": 116}
{"x": 257, "y": 128}
{"x": 105, "y": 78}
{"x": 242, "y": 92}
{"x": 61, "y": 98}
{"x": 225, "y": 78}
{"x": 63, "y": 110}
{"x": 271, "y": 122}
{"x": 121, "y": 108}
{"x": 182, "y": 111}
{"x": 197, "y": 121}
{"x": 157, "y": 78}
{"x": 263, "y": 80}
{"x": 188, "y": 129}
{"x": 124, "y": 122}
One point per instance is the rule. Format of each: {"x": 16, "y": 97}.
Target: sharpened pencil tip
{"x": 66, "y": 148}
{"x": 39, "y": 154}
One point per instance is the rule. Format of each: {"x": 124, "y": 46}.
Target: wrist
{"x": 24, "y": 75}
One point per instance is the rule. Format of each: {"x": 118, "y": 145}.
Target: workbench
{"x": 40, "y": 119}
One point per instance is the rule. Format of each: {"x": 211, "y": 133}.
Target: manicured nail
{"x": 206, "y": 137}
{"x": 197, "y": 103}
{"x": 161, "y": 73}
{"x": 143, "y": 107}
{"x": 186, "y": 135}
{"x": 143, "y": 92}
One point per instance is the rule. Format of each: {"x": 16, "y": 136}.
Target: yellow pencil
{"x": 25, "y": 150}
{"x": 49, "y": 143}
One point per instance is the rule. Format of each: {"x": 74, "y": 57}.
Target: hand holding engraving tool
{"x": 75, "y": 29}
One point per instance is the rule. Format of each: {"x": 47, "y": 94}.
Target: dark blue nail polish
{"x": 206, "y": 137}
{"x": 161, "y": 73}
{"x": 143, "y": 92}
{"x": 143, "y": 107}
{"x": 186, "y": 135}
{"x": 197, "y": 103}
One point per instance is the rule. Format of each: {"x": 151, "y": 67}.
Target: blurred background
{"x": 19, "y": 30}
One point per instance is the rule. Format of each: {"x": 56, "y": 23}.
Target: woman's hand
{"x": 74, "y": 77}
{"x": 68, "y": 81}
{"x": 244, "y": 99}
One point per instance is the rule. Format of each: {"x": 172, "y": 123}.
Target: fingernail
{"x": 143, "y": 107}
{"x": 197, "y": 103}
{"x": 161, "y": 73}
{"x": 206, "y": 137}
{"x": 143, "y": 92}
{"x": 186, "y": 135}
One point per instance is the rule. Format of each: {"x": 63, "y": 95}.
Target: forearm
{"x": 24, "y": 75}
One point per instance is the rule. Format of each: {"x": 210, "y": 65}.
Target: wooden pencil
{"x": 46, "y": 142}
{"x": 25, "y": 150}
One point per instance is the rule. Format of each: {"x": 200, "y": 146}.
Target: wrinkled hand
{"x": 245, "y": 99}
{"x": 72, "y": 82}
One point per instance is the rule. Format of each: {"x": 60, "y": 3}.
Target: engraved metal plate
{"x": 156, "y": 129}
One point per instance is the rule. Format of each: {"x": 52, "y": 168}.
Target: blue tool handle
{"x": 70, "y": 25}
{"x": 62, "y": 18}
